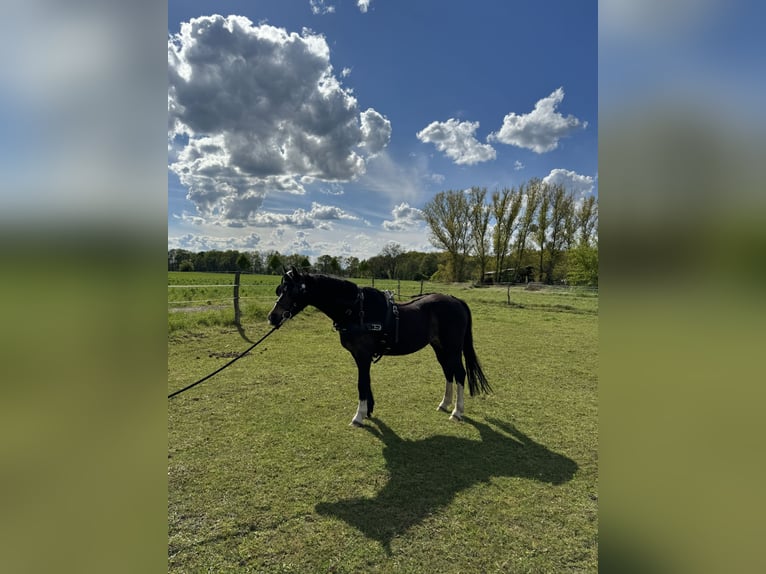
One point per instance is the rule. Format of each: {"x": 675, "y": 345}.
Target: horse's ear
{"x": 296, "y": 273}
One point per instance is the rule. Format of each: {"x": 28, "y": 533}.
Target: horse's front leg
{"x": 366, "y": 402}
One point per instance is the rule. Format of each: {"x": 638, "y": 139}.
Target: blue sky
{"x": 324, "y": 126}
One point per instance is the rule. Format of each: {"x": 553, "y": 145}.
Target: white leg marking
{"x": 457, "y": 414}
{"x": 361, "y": 412}
{"x": 447, "y": 400}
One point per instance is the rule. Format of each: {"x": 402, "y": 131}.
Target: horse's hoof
{"x": 356, "y": 424}
{"x": 442, "y": 409}
{"x": 456, "y": 418}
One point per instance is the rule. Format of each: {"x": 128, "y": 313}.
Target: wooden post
{"x": 399, "y": 289}
{"x": 236, "y": 298}
{"x": 508, "y": 293}
{"x": 421, "y": 286}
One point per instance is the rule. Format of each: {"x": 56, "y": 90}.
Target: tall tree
{"x": 586, "y": 219}
{"x": 479, "y": 213}
{"x": 543, "y": 219}
{"x": 391, "y": 255}
{"x": 328, "y": 264}
{"x": 447, "y": 218}
{"x": 560, "y": 226}
{"x": 274, "y": 262}
{"x": 350, "y": 266}
{"x": 506, "y": 205}
{"x": 533, "y": 196}
{"x": 243, "y": 262}
{"x": 257, "y": 261}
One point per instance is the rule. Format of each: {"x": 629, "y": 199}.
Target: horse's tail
{"x": 477, "y": 381}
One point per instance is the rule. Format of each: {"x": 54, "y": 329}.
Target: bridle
{"x": 293, "y": 290}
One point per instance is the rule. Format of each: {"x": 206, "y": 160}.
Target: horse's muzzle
{"x": 276, "y": 320}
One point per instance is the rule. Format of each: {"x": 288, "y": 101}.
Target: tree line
{"x": 536, "y": 231}
{"x": 391, "y": 263}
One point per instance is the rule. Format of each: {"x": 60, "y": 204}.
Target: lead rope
{"x": 237, "y": 358}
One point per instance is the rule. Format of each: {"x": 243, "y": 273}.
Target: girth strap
{"x": 383, "y": 332}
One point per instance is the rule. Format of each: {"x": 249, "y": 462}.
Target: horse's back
{"x": 444, "y": 317}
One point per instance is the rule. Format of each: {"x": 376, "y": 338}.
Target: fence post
{"x": 399, "y": 289}
{"x": 421, "y": 286}
{"x": 236, "y": 298}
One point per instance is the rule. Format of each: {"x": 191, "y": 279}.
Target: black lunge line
{"x": 237, "y": 358}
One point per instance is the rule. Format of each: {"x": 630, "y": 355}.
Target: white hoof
{"x": 442, "y": 409}
{"x": 456, "y": 418}
{"x": 356, "y": 423}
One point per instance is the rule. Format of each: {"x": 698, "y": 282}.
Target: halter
{"x": 289, "y": 313}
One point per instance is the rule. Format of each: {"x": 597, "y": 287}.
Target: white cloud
{"x": 321, "y": 7}
{"x": 256, "y": 110}
{"x": 572, "y": 181}
{"x": 332, "y": 189}
{"x": 541, "y": 129}
{"x": 435, "y": 178}
{"x": 317, "y": 217}
{"x": 189, "y": 218}
{"x": 376, "y": 131}
{"x": 405, "y": 217}
{"x": 364, "y": 5}
{"x": 456, "y": 140}
{"x": 198, "y": 243}
{"x": 517, "y": 165}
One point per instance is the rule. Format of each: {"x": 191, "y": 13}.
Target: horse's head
{"x": 292, "y": 297}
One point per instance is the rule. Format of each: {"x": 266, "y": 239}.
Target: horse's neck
{"x": 333, "y": 297}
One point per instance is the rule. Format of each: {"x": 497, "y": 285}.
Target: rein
{"x": 237, "y": 358}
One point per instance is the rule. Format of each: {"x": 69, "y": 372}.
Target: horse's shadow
{"x": 425, "y": 475}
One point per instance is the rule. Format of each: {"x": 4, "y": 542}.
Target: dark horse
{"x": 371, "y": 325}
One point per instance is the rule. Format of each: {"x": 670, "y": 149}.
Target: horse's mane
{"x": 334, "y": 285}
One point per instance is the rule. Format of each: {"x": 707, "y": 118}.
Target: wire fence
{"x": 255, "y": 294}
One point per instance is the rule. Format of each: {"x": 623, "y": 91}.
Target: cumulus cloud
{"x": 318, "y": 216}
{"x": 364, "y": 5}
{"x": 541, "y": 129}
{"x": 255, "y": 109}
{"x": 198, "y": 243}
{"x": 405, "y": 217}
{"x": 517, "y": 165}
{"x": 376, "y": 131}
{"x": 572, "y": 181}
{"x": 456, "y": 139}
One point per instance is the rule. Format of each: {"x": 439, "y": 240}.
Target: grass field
{"x": 265, "y": 475}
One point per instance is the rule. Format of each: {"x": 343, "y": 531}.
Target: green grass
{"x": 265, "y": 475}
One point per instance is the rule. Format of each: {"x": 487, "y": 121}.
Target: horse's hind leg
{"x": 447, "y": 369}
{"x": 447, "y": 400}
{"x": 453, "y": 370}
{"x": 457, "y": 413}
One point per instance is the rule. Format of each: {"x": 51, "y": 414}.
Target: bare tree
{"x": 448, "y": 220}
